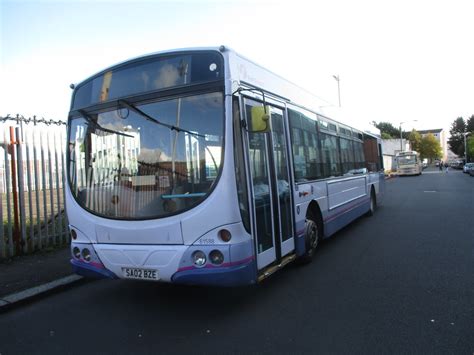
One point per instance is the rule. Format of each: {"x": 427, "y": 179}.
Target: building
{"x": 451, "y": 156}
{"x": 441, "y": 137}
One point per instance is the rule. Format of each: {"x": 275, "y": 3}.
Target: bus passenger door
{"x": 270, "y": 184}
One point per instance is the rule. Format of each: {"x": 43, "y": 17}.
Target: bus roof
{"x": 243, "y": 71}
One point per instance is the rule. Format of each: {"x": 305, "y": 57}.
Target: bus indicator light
{"x": 73, "y": 234}
{"x": 225, "y": 235}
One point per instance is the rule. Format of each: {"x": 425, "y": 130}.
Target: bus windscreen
{"x": 407, "y": 160}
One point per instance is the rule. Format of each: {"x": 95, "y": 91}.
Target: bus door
{"x": 270, "y": 186}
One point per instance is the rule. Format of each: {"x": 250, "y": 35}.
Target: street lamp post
{"x": 336, "y": 77}
{"x": 401, "y": 143}
{"x": 401, "y": 137}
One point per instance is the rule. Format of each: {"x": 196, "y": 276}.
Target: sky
{"x": 398, "y": 61}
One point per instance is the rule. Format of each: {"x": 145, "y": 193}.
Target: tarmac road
{"x": 398, "y": 282}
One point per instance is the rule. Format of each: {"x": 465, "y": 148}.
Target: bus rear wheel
{"x": 373, "y": 204}
{"x": 312, "y": 239}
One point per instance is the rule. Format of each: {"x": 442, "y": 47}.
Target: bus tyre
{"x": 312, "y": 238}
{"x": 373, "y": 204}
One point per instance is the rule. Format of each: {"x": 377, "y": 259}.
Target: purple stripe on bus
{"x": 210, "y": 266}
{"x": 97, "y": 265}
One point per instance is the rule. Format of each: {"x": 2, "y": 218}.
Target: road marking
{"x": 430, "y": 191}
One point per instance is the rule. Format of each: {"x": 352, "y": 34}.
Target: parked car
{"x": 467, "y": 167}
{"x": 458, "y": 164}
{"x": 471, "y": 172}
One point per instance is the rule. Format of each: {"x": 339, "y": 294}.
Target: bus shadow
{"x": 201, "y": 302}
{"x": 169, "y": 301}
{"x": 152, "y": 294}
{"x": 345, "y": 233}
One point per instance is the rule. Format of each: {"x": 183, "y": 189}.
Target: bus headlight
{"x": 216, "y": 257}
{"x": 199, "y": 258}
{"x": 86, "y": 254}
{"x": 76, "y": 252}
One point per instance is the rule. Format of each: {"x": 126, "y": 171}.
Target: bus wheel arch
{"x": 313, "y": 232}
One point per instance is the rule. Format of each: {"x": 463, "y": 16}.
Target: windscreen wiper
{"x": 171, "y": 127}
{"x": 154, "y": 120}
{"x": 94, "y": 124}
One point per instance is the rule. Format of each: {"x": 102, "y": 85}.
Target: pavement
{"x": 25, "y": 278}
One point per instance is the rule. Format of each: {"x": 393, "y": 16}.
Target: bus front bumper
{"x": 238, "y": 275}
{"x": 170, "y": 263}
{"x": 91, "y": 271}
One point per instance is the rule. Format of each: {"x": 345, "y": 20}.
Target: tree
{"x": 389, "y": 130}
{"x": 456, "y": 140}
{"x": 470, "y": 124}
{"x": 415, "y": 140}
{"x": 470, "y": 148}
{"x": 430, "y": 147}
{"x": 470, "y": 139}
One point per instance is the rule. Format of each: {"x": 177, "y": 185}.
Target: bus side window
{"x": 347, "y": 155}
{"x": 331, "y": 156}
{"x": 359, "y": 155}
{"x": 305, "y": 148}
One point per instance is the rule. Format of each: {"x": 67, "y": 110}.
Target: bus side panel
{"x": 377, "y": 181}
{"x": 344, "y": 191}
{"x": 342, "y": 216}
{"x": 348, "y": 199}
{"x": 380, "y": 191}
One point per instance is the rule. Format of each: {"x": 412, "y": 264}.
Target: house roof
{"x": 426, "y": 131}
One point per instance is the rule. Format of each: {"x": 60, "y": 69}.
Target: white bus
{"x": 201, "y": 167}
{"x": 409, "y": 163}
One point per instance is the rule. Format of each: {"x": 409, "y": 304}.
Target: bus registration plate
{"x": 140, "y": 274}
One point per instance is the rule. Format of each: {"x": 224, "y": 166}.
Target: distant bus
{"x": 201, "y": 167}
{"x": 409, "y": 163}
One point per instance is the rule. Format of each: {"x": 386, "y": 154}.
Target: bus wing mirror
{"x": 260, "y": 119}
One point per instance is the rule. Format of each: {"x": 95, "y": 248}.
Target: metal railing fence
{"x": 32, "y": 177}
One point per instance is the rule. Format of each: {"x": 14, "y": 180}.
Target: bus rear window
{"x": 148, "y": 75}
